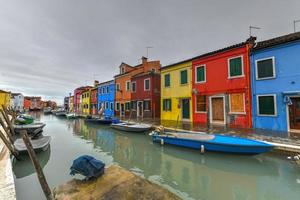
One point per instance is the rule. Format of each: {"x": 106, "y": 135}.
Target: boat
{"x": 212, "y": 142}
{"x": 61, "y": 113}
{"x": 131, "y": 127}
{"x": 30, "y": 128}
{"x": 72, "y": 116}
{"x": 40, "y": 144}
{"x": 47, "y": 111}
{"x": 99, "y": 120}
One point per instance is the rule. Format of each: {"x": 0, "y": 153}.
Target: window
{"x": 127, "y": 85}
{"x": 147, "y": 84}
{"x": 127, "y": 106}
{"x": 167, "y": 105}
{"x": 147, "y": 105}
{"x": 200, "y": 74}
{"x": 118, "y": 86}
{"x": 236, "y": 67}
{"x": 265, "y": 68}
{"x": 266, "y": 105}
{"x": 201, "y": 103}
{"x": 107, "y": 89}
{"x": 133, "y": 105}
{"x": 103, "y": 90}
{"x": 106, "y": 105}
{"x": 111, "y": 106}
{"x": 133, "y": 86}
{"x": 117, "y": 106}
{"x": 237, "y": 103}
{"x": 183, "y": 77}
{"x": 100, "y": 91}
{"x": 122, "y": 70}
{"x": 167, "y": 80}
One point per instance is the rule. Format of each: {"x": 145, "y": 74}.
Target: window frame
{"x": 117, "y": 108}
{"x": 145, "y": 84}
{"x": 107, "y": 89}
{"x": 198, "y": 66}
{"x": 111, "y": 106}
{"x": 275, "y": 105}
{"x": 133, "y": 82}
{"x": 170, "y": 100}
{"x": 169, "y": 80}
{"x": 256, "y": 68}
{"x": 196, "y": 111}
{"x": 148, "y": 100}
{"x": 127, "y": 89}
{"x": 187, "y": 77}
{"x": 118, "y": 88}
{"x": 239, "y": 113}
{"x": 128, "y": 103}
{"x": 228, "y": 67}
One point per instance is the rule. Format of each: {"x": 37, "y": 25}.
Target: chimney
{"x": 96, "y": 83}
{"x": 144, "y": 60}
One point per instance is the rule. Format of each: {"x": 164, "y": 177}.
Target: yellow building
{"x": 85, "y": 103}
{"x": 4, "y": 98}
{"x": 71, "y": 104}
{"x": 176, "y": 91}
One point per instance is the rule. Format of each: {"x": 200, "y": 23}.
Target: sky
{"x": 50, "y": 47}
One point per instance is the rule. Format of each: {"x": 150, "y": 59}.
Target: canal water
{"x": 184, "y": 172}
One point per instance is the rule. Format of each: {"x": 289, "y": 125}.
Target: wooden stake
{"x": 11, "y": 148}
{"x": 8, "y": 122}
{"x": 6, "y": 130}
{"x": 36, "y": 164}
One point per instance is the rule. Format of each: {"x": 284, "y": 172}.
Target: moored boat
{"x": 212, "y": 142}
{"x": 30, "y": 128}
{"x": 40, "y": 144}
{"x": 47, "y": 110}
{"x": 61, "y": 113}
{"x": 99, "y": 120}
{"x": 72, "y": 116}
{"x": 131, "y": 127}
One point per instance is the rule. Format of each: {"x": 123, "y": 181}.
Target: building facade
{"x": 86, "y": 101}
{"x": 4, "y": 98}
{"x": 176, "y": 92}
{"x": 275, "y": 83}
{"x": 106, "y": 97}
{"x": 71, "y": 104}
{"x": 221, "y": 86}
{"x": 17, "y": 102}
{"x": 78, "y": 99}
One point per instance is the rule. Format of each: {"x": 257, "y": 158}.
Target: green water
{"x": 184, "y": 172}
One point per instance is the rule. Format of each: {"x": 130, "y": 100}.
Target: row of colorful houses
{"x": 246, "y": 85}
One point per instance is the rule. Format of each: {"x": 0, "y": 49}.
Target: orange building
{"x": 124, "y": 85}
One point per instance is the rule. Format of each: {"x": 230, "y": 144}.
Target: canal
{"x": 184, "y": 172}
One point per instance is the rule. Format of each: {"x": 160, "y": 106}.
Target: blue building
{"x": 275, "y": 72}
{"x": 106, "y": 97}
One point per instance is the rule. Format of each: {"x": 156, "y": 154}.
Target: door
{"x": 140, "y": 109}
{"x": 217, "y": 109}
{"x": 294, "y": 113}
{"x": 122, "y": 113}
{"x": 185, "y": 108}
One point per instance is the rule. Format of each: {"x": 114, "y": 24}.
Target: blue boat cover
{"x": 87, "y": 166}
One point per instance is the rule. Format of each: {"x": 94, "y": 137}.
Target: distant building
{"x": 17, "y": 101}
{"x": 27, "y": 103}
{"x": 106, "y": 97}
{"x": 36, "y": 103}
{"x": 78, "y": 98}
{"x": 85, "y": 104}
{"x": 94, "y": 99}
{"x": 71, "y": 104}
{"x": 66, "y": 103}
{"x": 4, "y": 98}
{"x": 49, "y": 104}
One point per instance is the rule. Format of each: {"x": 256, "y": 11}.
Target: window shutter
{"x": 265, "y": 68}
{"x": 235, "y": 67}
{"x": 266, "y": 105}
{"x": 200, "y": 74}
{"x": 183, "y": 77}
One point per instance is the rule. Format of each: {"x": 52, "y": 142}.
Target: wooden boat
{"x": 40, "y": 144}
{"x": 30, "y": 128}
{"x": 212, "y": 142}
{"x": 72, "y": 116}
{"x": 131, "y": 127}
{"x": 99, "y": 120}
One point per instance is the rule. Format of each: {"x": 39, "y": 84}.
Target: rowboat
{"x": 212, "y": 142}
{"x": 30, "y": 128}
{"x": 131, "y": 127}
{"x": 99, "y": 120}
{"x": 40, "y": 144}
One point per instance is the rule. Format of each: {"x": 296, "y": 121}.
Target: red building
{"x": 221, "y": 86}
{"x": 27, "y": 103}
{"x": 94, "y": 98}
{"x": 145, "y": 94}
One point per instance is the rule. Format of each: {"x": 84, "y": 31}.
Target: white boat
{"x": 30, "y": 128}
{"x": 61, "y": 113}
{"x": 40, "y": 144}
{"x": 72, "y": 116}
{"x": 131, "y": 127}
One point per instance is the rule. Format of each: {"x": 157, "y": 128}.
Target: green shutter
{"x": 200, "y": 74}
{"x": 183, "y": 77}
{"x": 266, "y": 105}
{"x": 235, "y": 67}
{"x": 167, "y": 80}
{"x": 265, "y": 68}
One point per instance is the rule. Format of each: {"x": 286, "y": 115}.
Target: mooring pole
{"x": 8, "y": 122}
{"x": 36, "y": 164}
{"x": 9, "y": 135}
{"x": 10, "y": 146}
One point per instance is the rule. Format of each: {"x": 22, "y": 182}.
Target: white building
{"x": 17, "y": 101}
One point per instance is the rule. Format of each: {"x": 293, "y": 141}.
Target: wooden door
{"x": 217, "y": 106}
{"x": 185, "y": 108}
{"x": 294, "y": 113}
{"x": 122, "y": 113}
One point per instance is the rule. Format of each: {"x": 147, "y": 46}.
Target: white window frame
{"x": 106, "y": 105}
{"x": 117, "y": 108}
{"x": 228, "y": 67}
{"x": 133, "y": 82}
{"x": 127, "y": 83}
{"x": 118, "y": 88}
{"x": 239, "y": 113}
{"x": 111, "y": 106}
{"x": 256, "y": 67}
{"x": 187, "y": 79}
{"x": 165, "y": 80}
{"x": 196, "y": 104}
{"x": 275, "y": 105}
{"x": 107, "y": 89}
{"x": 129, "y": 105}
{"x": 204, "y": 73}
{"x": 145, "y": 84}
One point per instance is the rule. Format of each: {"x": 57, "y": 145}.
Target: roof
{"x": 249, "y": 40}
{"x": 103, "y": 83}
{"x": 144, "y": 74}
{"x": 3, "y": 91}
{"x": 278, "y": 40}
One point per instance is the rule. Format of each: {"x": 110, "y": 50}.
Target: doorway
{"x": 139, "y": 109}
{"x": 122, "y": 113}
{"x": 185, "y": 104}
{"x": 217, "y": 108}
{"x": 294, "y": 113}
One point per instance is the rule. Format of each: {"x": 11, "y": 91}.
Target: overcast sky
{"x": 48, "y": 48}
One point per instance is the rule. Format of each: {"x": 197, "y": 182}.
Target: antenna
{"x": 147, "y": 48}
{"x": 295, "y": 22}
{"x": 252, "y": 27}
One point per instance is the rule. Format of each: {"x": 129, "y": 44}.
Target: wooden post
{"x": 36, "y": 164}
{"x": 10, "y": 146}
{"x": 6, "y": 130}
{"x": 8, "y": 122}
